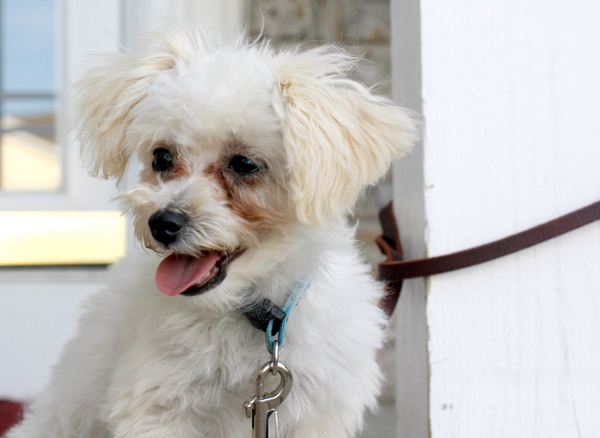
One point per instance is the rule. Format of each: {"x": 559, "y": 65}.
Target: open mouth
{"x": 180, "y": 274}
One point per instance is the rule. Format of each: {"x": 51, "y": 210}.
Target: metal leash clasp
{"x": 264, "y": 404}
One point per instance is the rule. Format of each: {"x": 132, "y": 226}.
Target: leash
{"x": 395, "y": 269}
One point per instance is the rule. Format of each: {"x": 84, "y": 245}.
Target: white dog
{"x": 251, "y": 160}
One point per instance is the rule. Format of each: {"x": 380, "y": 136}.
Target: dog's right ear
{"x": 107, "y": 94}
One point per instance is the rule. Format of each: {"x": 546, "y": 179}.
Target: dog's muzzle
{"x": 166, "y": 225}
{"x": 190, "y": 273}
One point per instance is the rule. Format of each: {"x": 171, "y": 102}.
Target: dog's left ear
{"x": 340, "y": 137}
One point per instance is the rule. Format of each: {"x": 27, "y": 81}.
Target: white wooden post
{"x": 412, "y": 379}
{"x": 509, "y": 92}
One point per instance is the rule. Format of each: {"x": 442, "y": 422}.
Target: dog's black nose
{"x": 165, "y": 225}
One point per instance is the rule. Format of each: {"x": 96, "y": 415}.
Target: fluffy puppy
{"x": 251, "y": 160}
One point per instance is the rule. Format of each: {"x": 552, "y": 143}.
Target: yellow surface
{"x": 29, "y": 163}
{"x": 61, "y": 238}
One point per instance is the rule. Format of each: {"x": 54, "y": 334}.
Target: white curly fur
{"x": 147, "y": 365}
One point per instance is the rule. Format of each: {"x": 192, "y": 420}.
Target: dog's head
{"x": 239, "y": 145}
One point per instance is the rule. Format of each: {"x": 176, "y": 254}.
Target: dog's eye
{"x": 163, "y": 160}
{"x": 243, "y": 165}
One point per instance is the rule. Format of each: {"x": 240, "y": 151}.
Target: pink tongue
{"x": 177, "y": 273}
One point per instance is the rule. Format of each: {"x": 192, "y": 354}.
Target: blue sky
{"x": 29, "y": 47}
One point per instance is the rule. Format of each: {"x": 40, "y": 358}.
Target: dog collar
{"x": 271, "y": 319}
{"x": 264, "y": 313}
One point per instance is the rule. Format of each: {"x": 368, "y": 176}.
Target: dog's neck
{"x": 272, "y": 272}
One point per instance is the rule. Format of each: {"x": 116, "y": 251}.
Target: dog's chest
{"x": 207, "y": 358}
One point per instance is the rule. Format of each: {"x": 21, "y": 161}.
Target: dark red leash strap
{"x": 394, "y": 270}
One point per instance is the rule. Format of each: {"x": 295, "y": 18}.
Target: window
{"x": 50, "y": 211}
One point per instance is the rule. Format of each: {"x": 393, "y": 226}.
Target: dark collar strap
{"x": 262, "y": 312}
{"x": 394, "y": 270}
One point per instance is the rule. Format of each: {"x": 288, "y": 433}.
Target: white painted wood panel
{"x": 511, "y": 103}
